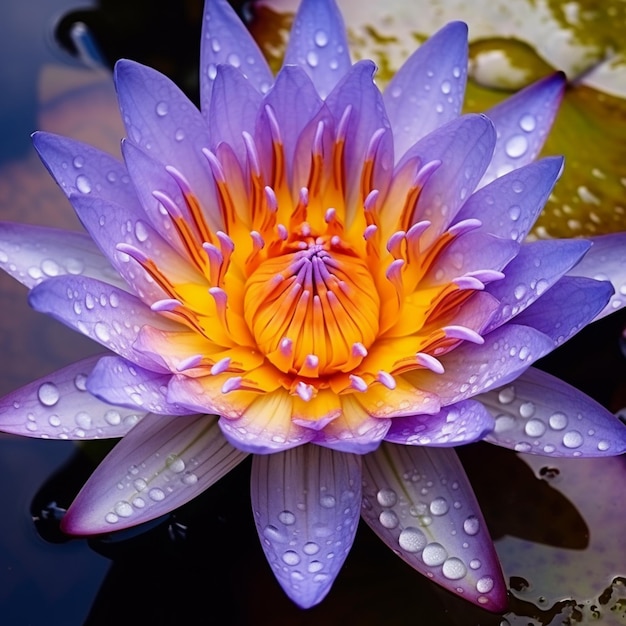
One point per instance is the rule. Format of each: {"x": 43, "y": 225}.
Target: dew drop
{"x": 102, "y": 332}
{"x": 312, "y": 58}
{"x": 156, "y": 494}
{"x": 141, "y": 231}
{"x": 111, "y": 518}
{"x": 520, "y": 291}
{"x": 412, "y": 539}
{"x": 516, "y": 146}
{"x": 327, "y": 501}
{"x": 471, "y": 525}
{"x": 123, "y": 509}
{"x": 434, "y": 554}
{"x": 484, "y": 584}
{"x": 603, "y": 445}
{"x": 112, "y": 417}
{"x": 506, "y": 395}
{"x": 310, "y": 548}
{"x": 475, "y": 563}
{"x": 273, "y": 534}
{"x": 83, "y": 184}
{"x": 287, "y": 518}
{"x": 439, "y": 506}
{"x": 527, "y": 409}
{"x": 572, "y": 439}
{"x": 557, "y": 421}
{"x": 320, "y": 38}
{"x": 54, "y": 420}
{"x": 454, "y": 569}
{"x": 175, "y": 463}
{"x": 528, "y": 123}
{"x": 388, "y": 519}
{"x": 83, "y": 420}
{"x": 161, "y": 109}
{"x": 48, "y": 394}
{"x": 534, "y": 428}
{"x": 315, "y": 566}
{"x": 514, "y": 212}
{"x": 291, "y": 558}
{"x": 386, "y": 497}
{"x": 446, "y": 87}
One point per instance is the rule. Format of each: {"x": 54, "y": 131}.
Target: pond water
{"x": 558, "y": 525}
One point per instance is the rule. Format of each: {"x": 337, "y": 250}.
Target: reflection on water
{"x": 558, "y": 525}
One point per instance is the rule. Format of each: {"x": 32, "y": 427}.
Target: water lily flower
{"x": 334, "y": 279}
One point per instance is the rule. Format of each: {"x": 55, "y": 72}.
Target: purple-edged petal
{"x": 454, "y": 425}
{"x": 419, "y": 502}
{"x": 265, "y": 426}
{"x": 120, "y": 382}
{"x": 158, "y": 466}
{"x": 428, "y": 90}
{"x": 318, "y": 44}
{"x": 541, "y": 414}
{"x": 471, "y": 369}
{"x": 32, "y": 254}
{"x": 533, "y": 271}
{"x": 567, "y": 307}
{"x": 108, "y": 315}
{"x": 292, "y": 120}
{"x": 306, "y": 505}
{"x": 464, "y": 147}
{"x": 226, "y": 40}
{"x": 509, "y": 206}
{"x": 80, "y": 168}
{"x": 522, "y": 123}
{"x": 359, "y": 98}
{"x": 58, "y": 406}
{"x": 354, "y": 430}
{"x": 233, "y": 110}
{"x": 606, "y": 260}
{"x": 161, "y": 120}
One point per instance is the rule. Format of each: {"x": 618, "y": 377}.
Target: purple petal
{"x": 606, "y": 260}
{"x": 535, "y": 269}
{"x": 108, "y": 315}
{"x": 428, "y": 90}
{"x": 358, "y": 94}
{"x": 567, "y": 307}
{"x": 319, "y": 45}
{"x": 32, "y": 254}
{"x": 266, "y": 426}
{"x": 80, "y": 168}
{"x": 161, "y": 120}
{"x": 541, "y": 414}
{"x": 234, "y": 107}
{"x": 58, "y": 406}
{"x": 419, "y": 502}
{"x": 306, "y": 504}
{"x": 456, "y": 424}
{"x": 471, "y": 369}
{"x": 469, "y": 254}
{"x": 226, "y": 40}
{"x": 464, "y": 147}
{"x": 509, "y": 206}
{"x": 109, "y": 225}
{"x": 522, "y": 123}
{"x": 119, "y": 382}
{"x": 354, "y": 430}
{"x": 158, "y": 466}
{"x": 292, "y": 120}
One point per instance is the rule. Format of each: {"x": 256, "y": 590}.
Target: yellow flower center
{"x": 313, "y": 309}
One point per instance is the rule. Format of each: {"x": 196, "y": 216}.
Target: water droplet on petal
{"x": 557, "y": 421}
{"x": 484, "y": 584}
{"x": 287, "y": 518}
{"x": 471, "y": 525}
{"x": 320, "y": 38}
{"x": 386, "y": 497}
{"x": 388, "y": 519}
{"x": 412, "y": 539}
{"x": 434, "y": 554}
{"x": 454, "y": 569}
{"x": 439, "y": 506}
{"x": 123, "y": 509}
{"x": 161, "y": 109}
{"x": 48, "y": 394}
{"x": 528, "y": 123}
{"x": 83, "y": 184}
{"x": 156, "y": 494}
{"x": 291, "y": 558}
{"x": 516, "y": 146}
{"x": 572, "y": 439}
